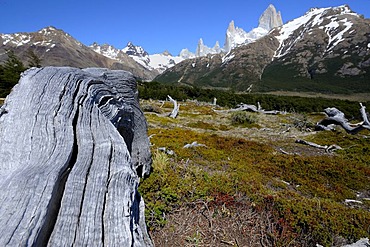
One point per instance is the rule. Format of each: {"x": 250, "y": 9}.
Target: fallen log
{"x": 336, "y": 117}
{"x": 328, "y": 149}
{"x": 252, "y": 108}
{"x": 73, "y": 147}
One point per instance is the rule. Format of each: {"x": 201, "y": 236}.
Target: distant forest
{"x": 159, "y": 91}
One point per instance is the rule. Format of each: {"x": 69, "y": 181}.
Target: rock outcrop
{"x": 73, "y": 148}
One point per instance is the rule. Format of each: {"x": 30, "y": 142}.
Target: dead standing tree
{"x": 176, "y": 107}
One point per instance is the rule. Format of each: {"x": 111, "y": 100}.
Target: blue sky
{"x": 155, "y": 25}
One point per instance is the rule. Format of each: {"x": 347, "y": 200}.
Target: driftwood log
{"x": 73, "y": 145}
{"x": 336, "y": 117}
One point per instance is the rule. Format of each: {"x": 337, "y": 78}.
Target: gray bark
{"x": 176, "y": 107}
{"x": 327, "y": 148}
{"x": 252, "y": 108}
{"x": 336, "y": 117}
{"x": 73, "y": 148}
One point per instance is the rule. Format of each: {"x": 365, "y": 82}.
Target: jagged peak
{"x": 270, "y": 18}
{"x": 271, "y": 6}
{"x": 166, "y": 53}
{"x": 231, "y": 27}
{"x": 130, "y": 44}
{"x": 50, "y": 30}
{"x": 134, "y": 50}
{"x": 217, "y": 45}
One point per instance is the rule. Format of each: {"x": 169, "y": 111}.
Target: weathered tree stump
{"x": 73, "y": 145}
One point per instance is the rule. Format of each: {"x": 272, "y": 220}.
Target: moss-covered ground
{"x": 250, "y": 184}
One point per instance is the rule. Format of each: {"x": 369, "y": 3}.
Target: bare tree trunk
{"x": 73, "y": 148}
{"x": 176, "y": 107}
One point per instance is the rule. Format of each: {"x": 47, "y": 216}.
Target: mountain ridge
{"x": 325, "y": 50}
{"x": 320, "y": 51}
{"x": 57, "y": 48}
{"x": 234, "y": 37}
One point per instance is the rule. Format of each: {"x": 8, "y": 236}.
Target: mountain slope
{"x": 326, "y": 50}
{"x": 155, "y": 63}
{"x": 57, "y": 48}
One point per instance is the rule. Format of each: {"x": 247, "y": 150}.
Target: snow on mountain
{"x": 203, "y": 50}
{"x": 47, "y": 37}
{"x": 315, "y": 17}
{"x": 106, "y": 50}
{"x": 17, "y": 39}
{"x": 163, "y": 61}
{"x": 186, "y": 54}
{"x": 159, "y": 62}
{"x": 236, "y": 36}
{"x": 134, "y": 50}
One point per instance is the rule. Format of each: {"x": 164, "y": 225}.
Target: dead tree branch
{"x": 328, "y": 149}
{"x": 336, "y": 117}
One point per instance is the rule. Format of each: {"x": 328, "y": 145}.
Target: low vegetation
{"x": 249, "y": 183}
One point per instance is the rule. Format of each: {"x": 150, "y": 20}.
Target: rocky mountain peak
{"x": 203, "y": 50}
{"x": 166, "y": 53}
{"x": 236, "y": 36}
{"x": 270, "y": 18}
{"x": 134, "y": 50}
{"x": 231, "y": 27}
{"x": 49, "y": 30}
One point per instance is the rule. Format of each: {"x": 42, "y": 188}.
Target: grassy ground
{"x": 250, "y": 184}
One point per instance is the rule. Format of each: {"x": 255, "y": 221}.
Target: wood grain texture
{"x": 73, "y": 146}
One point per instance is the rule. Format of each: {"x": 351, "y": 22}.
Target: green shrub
{"x": 243, "y": 118}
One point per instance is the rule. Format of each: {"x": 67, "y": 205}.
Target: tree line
{"x": 11, "y": 69}
{"x": 159, "y": 91}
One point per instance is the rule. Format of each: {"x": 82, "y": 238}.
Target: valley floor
{"x": 250, "y": 183}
